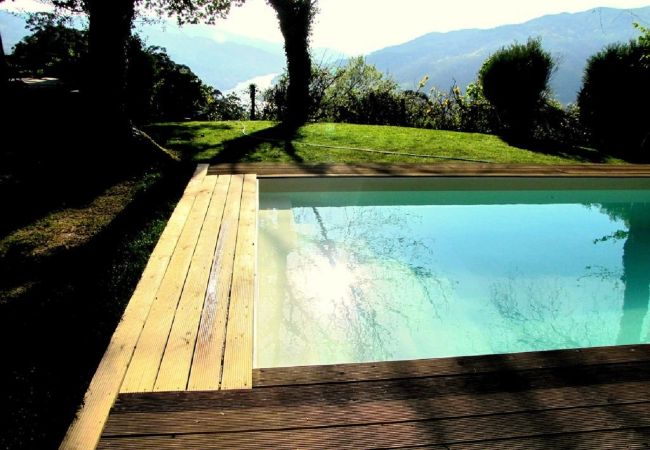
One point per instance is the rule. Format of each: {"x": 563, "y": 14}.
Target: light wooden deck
{"x": 188, "y": 326}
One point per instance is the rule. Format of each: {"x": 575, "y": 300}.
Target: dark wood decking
{"x": 429, "y": 170}
{"x": 577, "y": 399}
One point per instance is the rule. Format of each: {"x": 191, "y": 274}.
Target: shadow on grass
{"x": 171, "y": 131}
{"x": 249, "y": 147}
{"x": 242, "y": 148}
{"x": 554, "y": 148}
{"x": 51, "y": 160}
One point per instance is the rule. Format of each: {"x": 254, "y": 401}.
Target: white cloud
{"x": 254, "y": 19}
{"x": 22, "y": 6}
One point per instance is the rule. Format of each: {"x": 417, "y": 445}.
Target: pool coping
{"x": 287, "y": 170}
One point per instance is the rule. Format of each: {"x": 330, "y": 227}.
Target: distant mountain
{"x": 221, "y": 61}
{"x": 458, "y": 55}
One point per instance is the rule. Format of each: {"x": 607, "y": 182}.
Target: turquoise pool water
{"x": 356, "y": 270}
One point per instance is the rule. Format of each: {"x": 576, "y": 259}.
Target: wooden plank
{"x": 411, "y": 433}
{"x": 238, "y": 356}
{"x": 86, "y": 428}
{"x": 615, "y": 440}
{"x": 400, "y": 389}
{"x": 177, "y": 359}
{"x": 206, "y": 368}
{"x": 327, "y": 412}
{"x": 443, "y": 169}
{"x": 449, "y": 366}
{"x": 143, "y": 369}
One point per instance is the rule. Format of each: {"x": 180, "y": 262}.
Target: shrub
{"x": 360, "y": 93}
{"x": 223, "y": 107}
{"x": 515, "y": 81}
{"x": 274, "y": 99}
{"x": 614, "y": 100}
{"x": 416, "y": 107}
{"x": 560, "y": 125}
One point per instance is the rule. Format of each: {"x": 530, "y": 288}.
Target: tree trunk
{"x": 636, "y": 266}
{"x": 252, "y": 89}
{"x": 295, "y": 17}
{"x": 109, "y": 30}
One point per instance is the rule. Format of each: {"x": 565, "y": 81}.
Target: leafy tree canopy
{"x": 157, "y": 88}
{"x": 191, "y": 11}
{"x": 52, "y": 50}
{"x": 185, "y": 11}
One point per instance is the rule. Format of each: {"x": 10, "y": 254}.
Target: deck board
{"x": 208, "y": 354}
{"x": 410, "y": 433}
{"x": 238, "y": 356}
{"x": 177, "y": 359}
{"x": 146, "y": 360}
{"x": 353, "y": 411}
{"x": 449, "y": 366}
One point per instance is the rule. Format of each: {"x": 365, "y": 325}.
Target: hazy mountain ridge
{"x": 458, "y": 55}
{"x": 219, "y": 64}
{"x": 224, "y": 60}
{"x": 219, "y": 58}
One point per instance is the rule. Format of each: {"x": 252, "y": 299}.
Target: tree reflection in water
{"x": 342, "y": 276}
{"x": 636, "y": 270}
{"x": 538, "y": 310}
{"x": 354, "y": 283}
{"x": 551, "y": 313}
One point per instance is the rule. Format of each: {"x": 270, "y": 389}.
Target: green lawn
{"x": 345, "y": 143}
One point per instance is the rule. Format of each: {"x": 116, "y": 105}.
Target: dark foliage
{"x": 614, "y": 100}
{"x": 275, "y": 100}
{"x": 192, "y": 11}
{"x": 52, "y": 50}
{"x": 156, "y": 88}
{"x": 110, "y": 25}
{"x": 515, "y": 80}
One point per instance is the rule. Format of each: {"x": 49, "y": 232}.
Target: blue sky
{"x": 360, "y": 26}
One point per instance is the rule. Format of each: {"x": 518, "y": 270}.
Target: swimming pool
{"x": 367, "y": 269}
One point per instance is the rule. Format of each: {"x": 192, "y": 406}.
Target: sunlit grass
{"x": 347, "y": 143}
{"x": 72, "y": 227}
